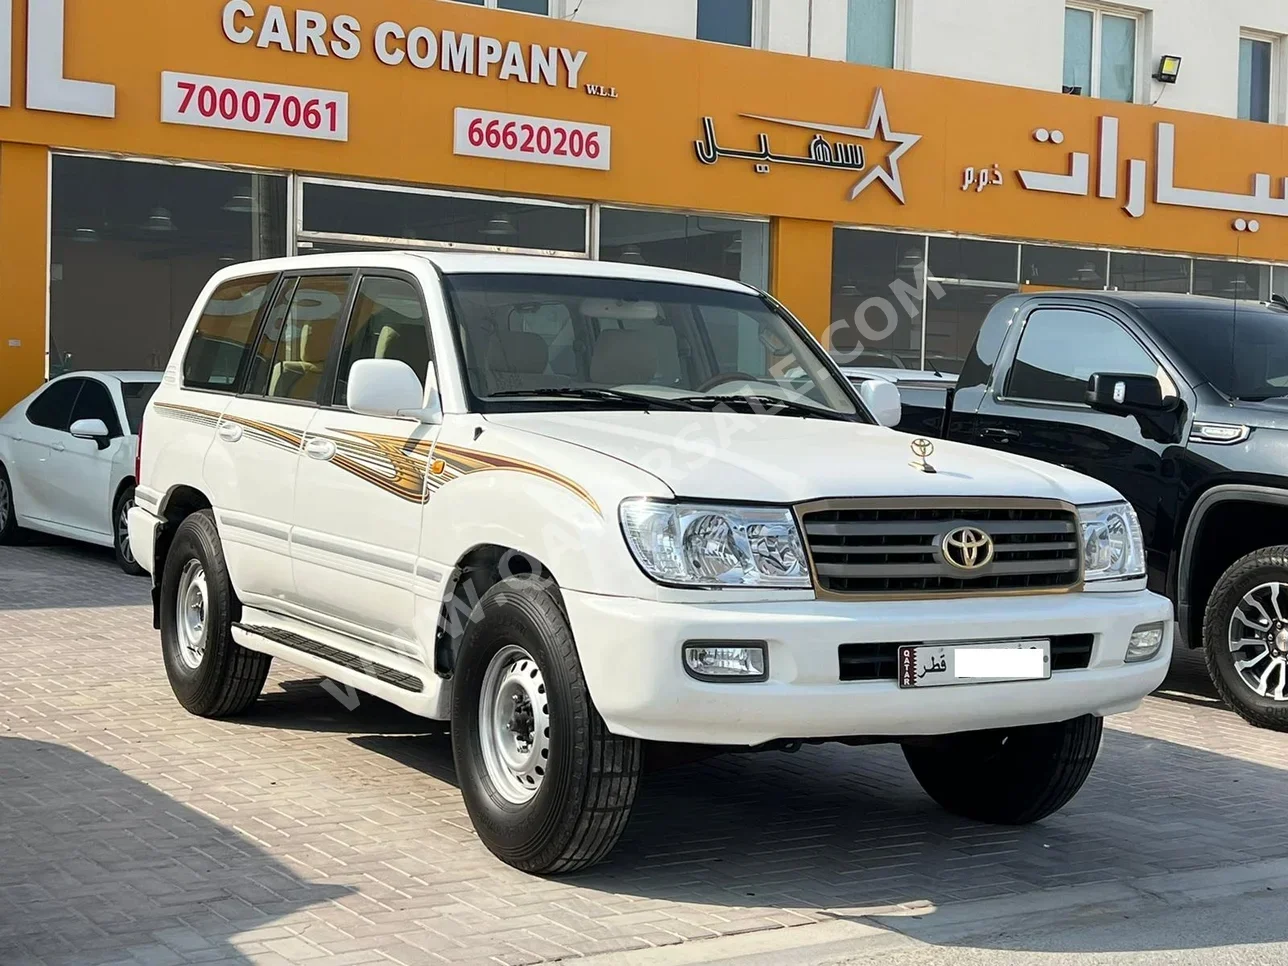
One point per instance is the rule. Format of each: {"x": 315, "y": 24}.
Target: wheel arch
{"x": 177, "y": 505}
{"x": 1208, "y": 548}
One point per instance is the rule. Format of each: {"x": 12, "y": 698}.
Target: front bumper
{"x": 143, "y": 537}
{"x": 630, "y": 651}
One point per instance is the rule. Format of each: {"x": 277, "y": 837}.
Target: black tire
{"x": 228, "y": 677}
{"x": 1262, "y": 567}
{"x": 584, "y": 800}
{"x": 9, "y": 532}
{"x": 1014, "y": 776}
{"x": 121, "y": 540}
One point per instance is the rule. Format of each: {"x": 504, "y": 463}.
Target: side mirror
{"x": 1127, "y": 395}
{"x": 883, "y": 400}
{"x": 94, "y": 429}
{"x": 389, "y": 387}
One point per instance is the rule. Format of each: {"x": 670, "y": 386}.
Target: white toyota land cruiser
{"x": 576, "y": 507}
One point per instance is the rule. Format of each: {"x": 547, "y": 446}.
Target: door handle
{"x": 320, "y": 449}
{"x": 59, "y": 448}
{"x": 230, "y": 432}
{"x": 999, "y": 434}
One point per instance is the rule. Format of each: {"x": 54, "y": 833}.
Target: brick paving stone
{"x": 131, "y": 832}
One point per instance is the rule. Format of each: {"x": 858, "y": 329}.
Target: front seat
{"x": 300, "y": 379}
{"x": 517, "y": 360}
{"x": 624, "y": 358}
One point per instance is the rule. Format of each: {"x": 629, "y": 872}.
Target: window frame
{"x": 331, "y": 376}
{"x": 76, "y": 378}
{"x": 346, "y": 308}
{"x": 759, "y": 27}
{"x": 554, "y": 8}
{"x": 1098, "y": 13}
{"x": 1011, "y": 353}
{"x": 1274, "y": 100}
{"x": 115, "y": 429}
{"x": 274, "y": 281}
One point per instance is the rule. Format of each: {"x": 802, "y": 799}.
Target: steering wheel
{"x": 721, "y": 378}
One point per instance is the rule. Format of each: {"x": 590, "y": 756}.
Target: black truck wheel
{"x": 548, "y": 788}
{"x": 1245, "y": 637}
{"x": 211, "y": 674}
{"x": 1013, "y": 776}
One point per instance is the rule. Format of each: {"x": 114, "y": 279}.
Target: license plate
{"x": 941, "y": 665}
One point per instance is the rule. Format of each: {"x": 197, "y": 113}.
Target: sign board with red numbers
{"x": 239, "y": 105}
{"x": 536, "y": 140}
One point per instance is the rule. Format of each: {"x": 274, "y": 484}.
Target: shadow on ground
{"x": 91, "y": 859}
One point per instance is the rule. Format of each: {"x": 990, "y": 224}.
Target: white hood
{"x": 780, "y": 459}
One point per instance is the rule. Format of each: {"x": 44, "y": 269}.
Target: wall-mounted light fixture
{"x": 1169, "y": 69}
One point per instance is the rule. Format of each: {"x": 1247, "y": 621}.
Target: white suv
{"x": 575, "y": 507}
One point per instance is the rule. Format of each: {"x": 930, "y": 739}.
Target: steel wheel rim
{"x": 123, "y": 533}
{"x": 1258, "y": 639}
{"x": 5, "y": 503}
{"x": 514, "y": 724}
{"x": 191, "y": 612}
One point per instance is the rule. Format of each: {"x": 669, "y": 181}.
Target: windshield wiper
{"x": 771, "y": 406}
{"x": 599, "y": 395}
{"x": 1265, "y": 398}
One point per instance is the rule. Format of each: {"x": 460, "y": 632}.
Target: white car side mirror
{"x": 389, "y": 387}
{"x": 883, "y": 400}
{"x": 94, "y": 429}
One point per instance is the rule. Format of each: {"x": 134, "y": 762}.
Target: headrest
{"x": 624, "y": 358}
{"x": 315, "y": 342}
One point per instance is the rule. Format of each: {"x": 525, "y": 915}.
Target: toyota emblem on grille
{"x": 967, "y": 548}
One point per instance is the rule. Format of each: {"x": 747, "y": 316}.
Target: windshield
{"x": 555, "y": 336}
{"x": 136, "y": 396}
{"x": 1243, "y": 354}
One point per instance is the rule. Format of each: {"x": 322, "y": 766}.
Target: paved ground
{"x": 131, "y": 832}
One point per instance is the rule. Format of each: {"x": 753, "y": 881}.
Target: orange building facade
{"x": 144, "y": 146}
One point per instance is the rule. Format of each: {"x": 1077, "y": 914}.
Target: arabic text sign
{"x": 930, "y": 666}
{"x": 238, "y": 105}
{"x": 535, "y": 140}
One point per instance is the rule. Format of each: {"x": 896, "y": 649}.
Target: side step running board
{"x": 398, "y": 679}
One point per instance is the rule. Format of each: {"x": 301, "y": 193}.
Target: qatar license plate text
{"x": 940, "y": 665}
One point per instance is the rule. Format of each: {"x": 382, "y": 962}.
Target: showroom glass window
{"x": 727, "y": 247}
{"x": 1100, "y": 53}
{"x": 878, "y": 282}
{"x": 965, "y": 279}
{"x": 870, "y": 32}
{"x": 726, "y": 21}
{"x": 1046, "y": 266}
{"x": 1061, "y": 349}
{"x": 1256, "y": 71}
{"x": 133, "y": 245}
{"x": 1129, "y": 272}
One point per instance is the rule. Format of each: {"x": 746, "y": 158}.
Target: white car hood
{"x": 779, "y": 459}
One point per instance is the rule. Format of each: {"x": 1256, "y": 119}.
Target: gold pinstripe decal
{"x": 397, "y": 465}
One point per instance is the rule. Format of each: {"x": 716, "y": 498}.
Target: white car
{"x": 67, "y": 455}
{"x": 575, "y": 507}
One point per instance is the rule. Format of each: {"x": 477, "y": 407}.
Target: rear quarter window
{"x": 225, "y": 333}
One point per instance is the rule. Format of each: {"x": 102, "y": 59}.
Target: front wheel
{"x": 1013, "y": 776}
{"x": 121, "y": 523}
{"x": 1245, "y": 637}
{"x": 8, "y": 517}
{"x": 548, "y": 788}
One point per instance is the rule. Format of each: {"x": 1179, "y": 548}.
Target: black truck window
{"x": 1240, "y": 349}
{"x": 1062, "y": 348}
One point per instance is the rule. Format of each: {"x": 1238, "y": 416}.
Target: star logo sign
{"x": 878, "y": 128}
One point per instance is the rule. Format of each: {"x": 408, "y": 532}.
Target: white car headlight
{"x": 1112, "y": 545}
{"x": 705, "y": 545}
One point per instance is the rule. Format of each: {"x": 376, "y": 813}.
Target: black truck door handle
{"x": 1000, "y": 435}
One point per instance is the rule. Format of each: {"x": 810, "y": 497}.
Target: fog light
{"x": 726, "y": 660}
{"x": 1145, "y": 643}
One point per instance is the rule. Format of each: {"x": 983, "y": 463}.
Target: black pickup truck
{"x": 1181, "y": 403}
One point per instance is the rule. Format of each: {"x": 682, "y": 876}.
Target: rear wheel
{"x": 548, "y": 788}
{"x": 211, "y": 674}
{"x": 1245, "y": 637}
{"x": 1013, "y": 776}
{"x": 121, "y": 523}
{"x": 8, "y": 518}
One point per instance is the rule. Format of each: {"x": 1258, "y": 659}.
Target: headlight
{"x": 1112, "y": 547}
{"x": 702, "y": 545}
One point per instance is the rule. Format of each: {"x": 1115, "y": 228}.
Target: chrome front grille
{"x": 895, "y": 548}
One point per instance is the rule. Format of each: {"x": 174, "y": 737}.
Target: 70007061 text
{"x": 249, "y": 106}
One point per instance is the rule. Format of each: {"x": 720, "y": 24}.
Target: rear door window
{"x": 136, "y": 396}
{"x": 221, "y": 343}
{"x": 291, "y": 359}
{"x": 52, "y": 409}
